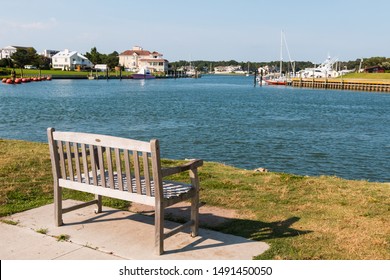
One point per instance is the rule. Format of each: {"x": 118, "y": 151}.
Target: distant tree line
{"x": 29, "y": 56}
{"x": 202, "y": 65}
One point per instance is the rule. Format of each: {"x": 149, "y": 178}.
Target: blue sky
{"x": 246, "y": 30}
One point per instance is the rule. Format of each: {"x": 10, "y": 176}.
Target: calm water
{"x": 217, "y": 118}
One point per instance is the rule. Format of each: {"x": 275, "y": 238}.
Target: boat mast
{"x": 281, "y": 52}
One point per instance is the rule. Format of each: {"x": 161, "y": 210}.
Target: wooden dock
{"x": 343, "y": 84}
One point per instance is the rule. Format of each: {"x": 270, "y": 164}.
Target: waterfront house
{"x": 374, "y": 69}
{"x": 138, "y": 58}
{"x": 6, "y": 52}
{"x": 70, "y": 60}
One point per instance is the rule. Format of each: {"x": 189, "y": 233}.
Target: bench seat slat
{"x": 170, "y": 188}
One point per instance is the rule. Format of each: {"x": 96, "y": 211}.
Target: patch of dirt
{"x": 208, "y": 215}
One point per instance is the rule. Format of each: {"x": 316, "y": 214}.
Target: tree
{"x": 24, "y": 56}
{"x": 6, "y": 62}
{"x": 43, "y": 62}
{"x": 94, "y": 56}
{"x": 111, "y": 59}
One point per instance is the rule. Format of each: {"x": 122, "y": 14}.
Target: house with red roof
{"x": 138, "y": 58}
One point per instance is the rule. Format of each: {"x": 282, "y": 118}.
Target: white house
{"x": 138, "y": 58}
{"x": 70, "y": 60}
{"x": 6, "y": 52}
{"x": 49, "y": 53}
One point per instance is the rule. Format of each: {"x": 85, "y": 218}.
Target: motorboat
{"x": 143, "y": 73}
{"x": 327, "y": 69}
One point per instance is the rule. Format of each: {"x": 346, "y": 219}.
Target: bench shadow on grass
{"x": 250, "y": 229}
{"x": 262, "y": 231}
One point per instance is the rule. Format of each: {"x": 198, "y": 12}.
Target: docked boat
{"x": 280, "y": 79}
{"x": 327, "y": 69}
{"x": 143, "y": 73}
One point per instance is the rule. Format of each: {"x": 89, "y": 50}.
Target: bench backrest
{"x": 111, "y": 162}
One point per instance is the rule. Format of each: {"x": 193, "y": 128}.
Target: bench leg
{"x": 159, "y": 229}
{"x": 195, "y": 215}
{"x": 58, "y": 206}
{"x": 195, "y": 203}
{"x": 99, "y": 203}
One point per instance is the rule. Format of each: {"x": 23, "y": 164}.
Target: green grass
{"x": 300, "y": 217}
{"x": 36, "y": 72}
{"x": 368, "y": 76}
{"x": 42, "y": 230}
{"x": 62, "y": 237}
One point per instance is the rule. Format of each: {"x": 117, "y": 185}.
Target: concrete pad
{"x": 115, "y": 234}
{"x": 21, "y": 243}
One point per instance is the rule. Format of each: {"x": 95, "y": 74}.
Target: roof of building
{"x": 15, "y": 47}
{"x": 141, "y": 53}
{"x": 138, "y": 52}
{"x": 153, "y": 60}
{"x": 373, "y": 67}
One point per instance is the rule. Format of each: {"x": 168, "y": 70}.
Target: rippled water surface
{"x": 217, "y": 118}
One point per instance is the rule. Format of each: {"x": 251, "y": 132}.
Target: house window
{"x": 66, "y": 60}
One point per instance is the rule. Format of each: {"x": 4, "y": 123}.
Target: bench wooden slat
{"x": 101, "y": 166}
{"x": 102, "y": 140}
{"x": 110, "y": 168}
{"x": 128, "y": 170}
{"x": 128, "y": 196}
{"x": 85, "y": 162}
{"x": 77, "y": 161}
{"x": 93, "y": 163}
{"x": 70, "y": 161}
{"x": 137, "y": 173}
{"x": 146, "y": 173}
{"x": 119, "y": 168}
{"x": 62, "y": 159}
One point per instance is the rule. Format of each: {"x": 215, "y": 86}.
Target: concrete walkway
{"x": 111, "y": 235}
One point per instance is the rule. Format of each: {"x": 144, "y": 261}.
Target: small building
{"x": 374, "y": 69}
{"x": 70, "y": 60}
{"x": 101, "y": 67}
{"x": 49, "y": 53}
{"x": 138, "y": 58}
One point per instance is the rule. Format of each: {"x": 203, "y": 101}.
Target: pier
{"x": 342, "y": 84}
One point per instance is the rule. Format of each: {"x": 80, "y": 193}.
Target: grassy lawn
{"x": 300, "y": 217}
{"x": 35, "y": 72}
{"x": 368, "y": 76}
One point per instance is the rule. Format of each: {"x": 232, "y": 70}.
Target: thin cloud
{"x": 36, "y": 25}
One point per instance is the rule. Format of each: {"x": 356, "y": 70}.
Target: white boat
{"x": 324, "y": 70}
{"x": 327, "y": 69}
{"x": 143, "y": 73}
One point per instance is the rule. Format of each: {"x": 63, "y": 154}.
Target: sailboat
{"x": 247, "y": 74}
{"x": 279, "y": 79}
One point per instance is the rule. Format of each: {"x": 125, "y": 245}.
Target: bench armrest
{"x": 193, "y": 164}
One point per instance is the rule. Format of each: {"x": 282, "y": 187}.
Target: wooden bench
{"x": 120, "y": 168}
